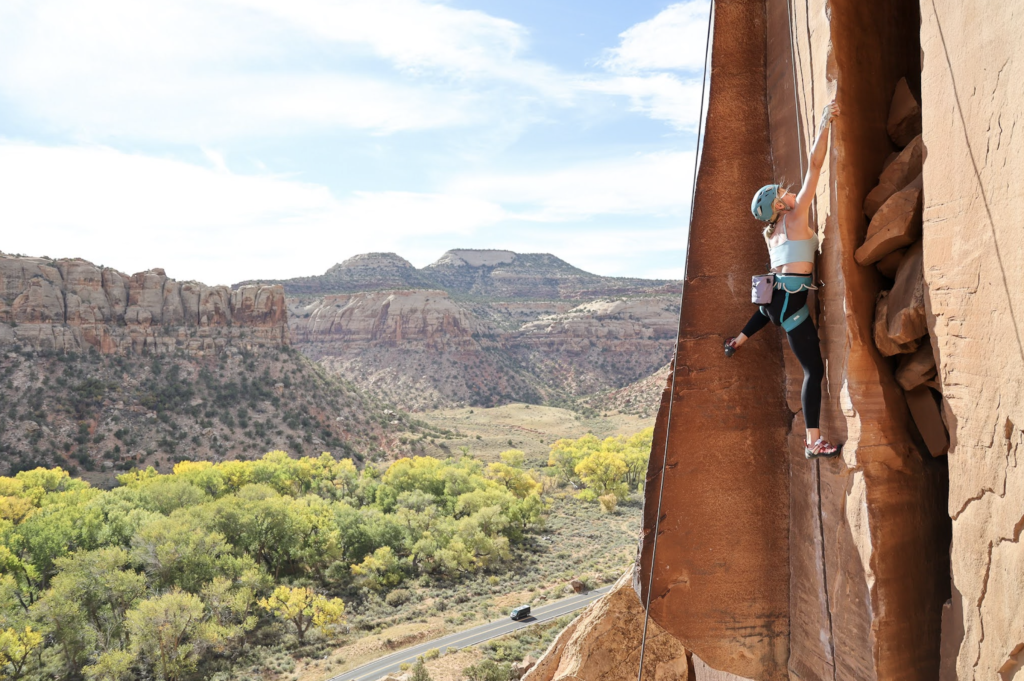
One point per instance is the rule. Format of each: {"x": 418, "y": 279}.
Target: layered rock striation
{"x": 73, "y": 305}
{"x": 426, "y": 349}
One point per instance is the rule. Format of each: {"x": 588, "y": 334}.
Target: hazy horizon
{"x": 228, "y": 140}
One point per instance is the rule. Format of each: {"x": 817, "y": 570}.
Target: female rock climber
{"x": 792, "y": 245}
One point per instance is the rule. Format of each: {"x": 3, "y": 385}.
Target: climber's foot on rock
{"x": 822, "y": 448}
{"x": 730, "y": 347}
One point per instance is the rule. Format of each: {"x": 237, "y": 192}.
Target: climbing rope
{"x": 679, "y": 331}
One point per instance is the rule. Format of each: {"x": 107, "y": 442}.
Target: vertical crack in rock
{"x": 824, "y": 568}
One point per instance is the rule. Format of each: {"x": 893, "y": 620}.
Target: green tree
{"x": 512, "y": 477}
{"x": 65, "y": 623}
{"x": 167, "y": 633}
{"x": 304, "y": 608}
{"x": 635, "y": 452}
{"x": 379, "y": 570}
{"x": 104, "y": 590}
{"x": 232, "y": 603}
{"x": 178, "y": 552}
{"x": 603, "y": 472}
{"x": 113, "y": 665}
{"x": 567, "y": 454}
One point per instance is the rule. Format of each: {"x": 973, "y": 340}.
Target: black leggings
{"x": 804, "y": 341}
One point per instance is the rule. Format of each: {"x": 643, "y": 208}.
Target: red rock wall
{"x": 73, "y": 305}
{"x": 880, "y": 519}
{"x": 867, "y": 535}
{"x": 722, "y": 581}
{"x": 973, "y": 62}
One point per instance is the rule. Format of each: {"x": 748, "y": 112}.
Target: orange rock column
{"x": 721, "y": 581}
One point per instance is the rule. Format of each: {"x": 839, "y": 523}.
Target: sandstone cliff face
{"x": 72, "y": 305}
{"x": 779, "y": 568}
{"x": 603, "y": 644}
{"x": 599, "y": 345}
{"x": 973, "y": 259}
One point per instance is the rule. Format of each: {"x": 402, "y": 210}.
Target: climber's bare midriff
{"x": 795, "y": 268}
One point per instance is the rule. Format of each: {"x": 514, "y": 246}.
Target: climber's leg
{"x": 804, "y": 341}
{"x": 807, "y": 348}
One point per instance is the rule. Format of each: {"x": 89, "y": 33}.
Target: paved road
{"x": 469, "y": 637}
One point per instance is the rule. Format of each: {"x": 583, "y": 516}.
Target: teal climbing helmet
{"x": 761, "y": 206}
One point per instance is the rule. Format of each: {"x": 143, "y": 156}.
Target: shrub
{"x": 488, "y": 670}
{"x": 587, "y": 495}
{"x": 419, "y": 672}
{"x": 608, "y": 503}
{"x": 398, "y": 597}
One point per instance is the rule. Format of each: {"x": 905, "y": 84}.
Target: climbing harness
{"x": 675, "y": 353}
{"x": 792, "y": 283}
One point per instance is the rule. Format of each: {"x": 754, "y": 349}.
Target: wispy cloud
{"x": 119, "y": 96}
{"x": 643, "y": 184}
{"x": 658, "y": 64}
{"x": 671, "y": 41}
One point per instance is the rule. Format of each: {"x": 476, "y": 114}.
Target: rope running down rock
{"x": 675, "y": 355}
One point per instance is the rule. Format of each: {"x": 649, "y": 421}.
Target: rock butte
{"x": 897, "y": 560}
{"x": 71, "y": 305}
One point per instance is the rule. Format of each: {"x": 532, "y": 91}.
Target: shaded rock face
{"x": 603, "y": 644}
{"x": 421, "y": 349}
{"x": 73, "y": 305}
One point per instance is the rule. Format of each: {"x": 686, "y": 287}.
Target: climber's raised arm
{"x": 818, "y": 153}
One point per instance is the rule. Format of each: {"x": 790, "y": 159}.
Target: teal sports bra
{"x": 793, "y": 250}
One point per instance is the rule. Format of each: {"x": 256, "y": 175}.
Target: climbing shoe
{"x": 823, "y": 449}
{"x": 730, "y": 347}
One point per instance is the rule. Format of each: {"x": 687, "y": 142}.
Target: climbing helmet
{"x": 761, "y": 206}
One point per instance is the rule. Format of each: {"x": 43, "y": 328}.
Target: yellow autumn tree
{"x": 305, "y": 609}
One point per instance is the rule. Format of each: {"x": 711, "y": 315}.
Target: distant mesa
{"x": 481, "y": 274}
{"x": 475, "y": 258}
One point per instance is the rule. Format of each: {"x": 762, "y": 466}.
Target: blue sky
{"x": 235, "y": 139}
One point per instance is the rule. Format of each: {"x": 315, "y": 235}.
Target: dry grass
{"x": 449, "y": 667}
{"x": 531, "y": 428}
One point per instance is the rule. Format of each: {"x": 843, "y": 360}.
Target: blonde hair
{"x": 773, "y": 221}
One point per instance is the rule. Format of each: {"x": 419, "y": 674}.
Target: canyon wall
{"x": 71, "y": 305}
{"x": 770, "y": 566}
{"x": 973, "y": 63}
{"x": 424, "y": 348}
